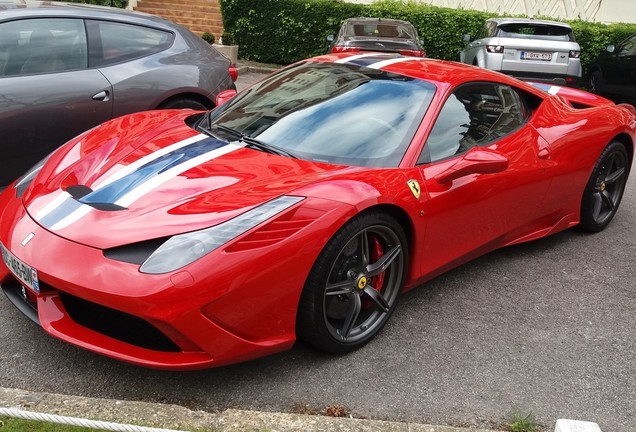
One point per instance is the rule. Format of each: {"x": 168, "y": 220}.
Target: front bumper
{"x": 189, "y": 319}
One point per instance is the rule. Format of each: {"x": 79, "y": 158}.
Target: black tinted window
{"x": 474, "y": 115}
{"x": 380, "y": 29}
{"x": 536, "y": 31}
{"x": 628, "y": 48}
{"x": 35, "y": 46}
{"x": 115, "y": 42}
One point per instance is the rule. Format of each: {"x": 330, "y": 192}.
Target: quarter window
{"x": 474, "y": 115}
{"x": 118, "y": 42}
{"x": 36, "y": 46}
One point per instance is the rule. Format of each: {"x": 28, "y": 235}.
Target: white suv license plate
{"x": 25, "y": 273}
{"x": 532, "y": 55}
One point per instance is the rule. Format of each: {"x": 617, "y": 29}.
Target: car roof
{"x": 442, "y": 72}
{"x": 512, "y": 20}
{"x": 12, "y": 9}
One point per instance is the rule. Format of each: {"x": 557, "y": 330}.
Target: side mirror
{"x": 224, "y": 96}
{"x": 475, "y": 161}
{"x": 330, "y": 38}
{"x": 610, "y": 48}
{"x": 466, "y": 38}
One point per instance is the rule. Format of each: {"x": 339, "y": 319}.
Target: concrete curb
{"x": 178, "y": 417}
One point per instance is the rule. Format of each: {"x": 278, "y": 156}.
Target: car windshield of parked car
{"x": 328, "y": 112}
{"x": 536, "y": 31}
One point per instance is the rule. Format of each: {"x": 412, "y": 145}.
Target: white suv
{"x": 529, "y": 49}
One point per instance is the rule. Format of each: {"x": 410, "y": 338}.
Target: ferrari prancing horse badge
{"x": 415, "y": 188}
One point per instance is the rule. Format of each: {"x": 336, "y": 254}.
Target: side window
{"x": 628, "y": 48}
{"x": 115, "y": 42}
{"x": 492, "y": 29}
{"x": 474, "y": 115}
{"x": 483, "y": 33}
{"x": 46, "y": 45}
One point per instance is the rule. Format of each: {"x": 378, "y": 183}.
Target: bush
{"x": 285, "y": 31}
{"x": 227, "y": 38}
{"x": 208, "y": 37}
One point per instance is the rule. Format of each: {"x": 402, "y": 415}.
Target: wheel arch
{"x": 402, "y": 218}
{"x": 187, "y": 95}
{"x": 629, "y": 145}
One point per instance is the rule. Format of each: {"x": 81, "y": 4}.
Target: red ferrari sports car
{"x": 302, "y": 207}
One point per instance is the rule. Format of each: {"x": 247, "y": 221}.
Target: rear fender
{"x": 576, "y": 98}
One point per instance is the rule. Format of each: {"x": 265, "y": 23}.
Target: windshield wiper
{"x": 256, "y": 144}
{"x": 204, "y": 126}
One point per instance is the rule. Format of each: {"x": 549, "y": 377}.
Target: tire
{"x": 596, "y": 82}
{"x": 183, "y": 103}
{"x": 604, "y": 190}
{"x": 354, "y": 285}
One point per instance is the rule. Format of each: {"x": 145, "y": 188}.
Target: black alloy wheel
{"x": 605, "y": 188}
{"x": 354, "y": 286}
{"x": 596, "y": 81}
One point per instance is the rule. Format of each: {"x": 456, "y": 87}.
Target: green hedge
{"x": 284, "y": 31}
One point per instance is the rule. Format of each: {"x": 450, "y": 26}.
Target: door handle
{"x": 102, "y": 96}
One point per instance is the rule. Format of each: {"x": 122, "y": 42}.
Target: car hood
{"x": 150, "y": 175}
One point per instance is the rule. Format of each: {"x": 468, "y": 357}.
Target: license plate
{"x": 25, "y": 273}
{"x": 532, "y": 55}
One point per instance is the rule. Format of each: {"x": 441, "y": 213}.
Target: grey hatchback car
{"x": 530, "y": 49}
{"x": 65, "y": 68}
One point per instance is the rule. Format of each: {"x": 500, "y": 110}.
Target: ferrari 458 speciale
{"x": 301, "y": 208}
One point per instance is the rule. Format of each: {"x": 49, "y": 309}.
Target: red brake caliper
{"x": 376, "y": 251}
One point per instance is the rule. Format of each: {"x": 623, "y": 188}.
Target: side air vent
{"x": 277, "y": 230}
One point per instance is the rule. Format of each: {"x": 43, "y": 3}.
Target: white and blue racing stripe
{"x": 60, "y": 200}
{"x": 552, "y": 89}
{"x": 136, "y": 180}
{"x": 373, "y": 60}
{"x": 116, "y": 190}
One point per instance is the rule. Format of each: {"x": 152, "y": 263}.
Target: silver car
{"x": 65, "y": 68}
{"x": 529, "y": 49}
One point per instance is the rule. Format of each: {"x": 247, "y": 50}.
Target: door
{"x": 620, "y": 69}
{"x": 47, "y": 93}
{"x": 482, "y": 170}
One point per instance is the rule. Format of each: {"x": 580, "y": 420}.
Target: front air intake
{"x": 116, "y": 324}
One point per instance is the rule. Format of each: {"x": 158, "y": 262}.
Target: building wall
{"x": 588, "y": 10}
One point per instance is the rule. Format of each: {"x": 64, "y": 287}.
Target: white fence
{"x": 587, "y": 10}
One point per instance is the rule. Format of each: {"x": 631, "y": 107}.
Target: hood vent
{"x": 78, "y": 192}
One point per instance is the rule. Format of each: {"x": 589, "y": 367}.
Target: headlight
{"x": 23, "y": 182}
{"x": 183, "y": 249}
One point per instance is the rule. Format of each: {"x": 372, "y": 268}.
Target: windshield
{"x": 328, "y": 112}
{"x": 536, "y": 31}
